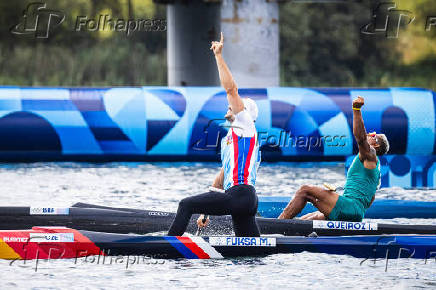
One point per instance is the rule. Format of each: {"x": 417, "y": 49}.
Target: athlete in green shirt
{"x": 363, "y": 178}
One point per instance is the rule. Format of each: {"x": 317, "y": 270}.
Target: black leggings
{"x": 240, "y": 201}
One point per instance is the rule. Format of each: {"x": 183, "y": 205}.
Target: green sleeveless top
{"x": 362, "y": 182}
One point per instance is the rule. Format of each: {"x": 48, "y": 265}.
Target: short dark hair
{"x": 383, "y": 143}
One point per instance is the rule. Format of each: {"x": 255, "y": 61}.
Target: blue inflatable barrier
{"x": 185, "y": 123}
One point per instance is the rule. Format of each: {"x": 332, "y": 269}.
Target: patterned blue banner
{"x": 187, "y": 122}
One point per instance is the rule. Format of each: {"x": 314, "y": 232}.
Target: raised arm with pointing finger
{"x": 226, "y": 78}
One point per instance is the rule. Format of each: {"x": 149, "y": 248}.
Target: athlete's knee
{"x": 305, "y": 188}
{"x": 303, "y": 191}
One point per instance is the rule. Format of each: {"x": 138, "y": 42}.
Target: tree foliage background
{"x": 85, "y": 58}
{"x": 320, "y": 45}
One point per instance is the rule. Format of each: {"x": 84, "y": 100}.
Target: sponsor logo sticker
{"x": 15, "y": 239}
{"x": 341, "y": 225}
{"x": 49, "y": 210}
{"x": 158, "y": 213}
{"x": 242, "y": 241}
{"x": 52, "y": 238}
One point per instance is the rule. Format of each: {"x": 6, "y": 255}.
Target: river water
{"x": 160, "y": 186}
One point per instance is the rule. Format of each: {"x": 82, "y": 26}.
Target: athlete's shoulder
{"x": 244, "y": 124}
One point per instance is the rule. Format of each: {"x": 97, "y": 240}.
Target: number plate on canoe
{"x": 348, "y": 226}
{"x": 242, "y": 241}
{"x": 49, "y": 211}
{"x": 53, "y": 238}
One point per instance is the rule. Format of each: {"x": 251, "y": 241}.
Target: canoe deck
{"x": 65, "y": 243}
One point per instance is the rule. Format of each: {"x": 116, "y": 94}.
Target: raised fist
{"x": 358, "y": 102}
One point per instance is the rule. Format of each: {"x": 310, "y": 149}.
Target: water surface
{"x": 160, "y": 186}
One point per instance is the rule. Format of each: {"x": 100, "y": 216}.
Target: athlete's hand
{"x": 358, "y": 102}
{"x": 313, "y": 216}
{"x": 318, "y": 216}
{"x": 200, "y": 221}
{"x": 217, "y": 47}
